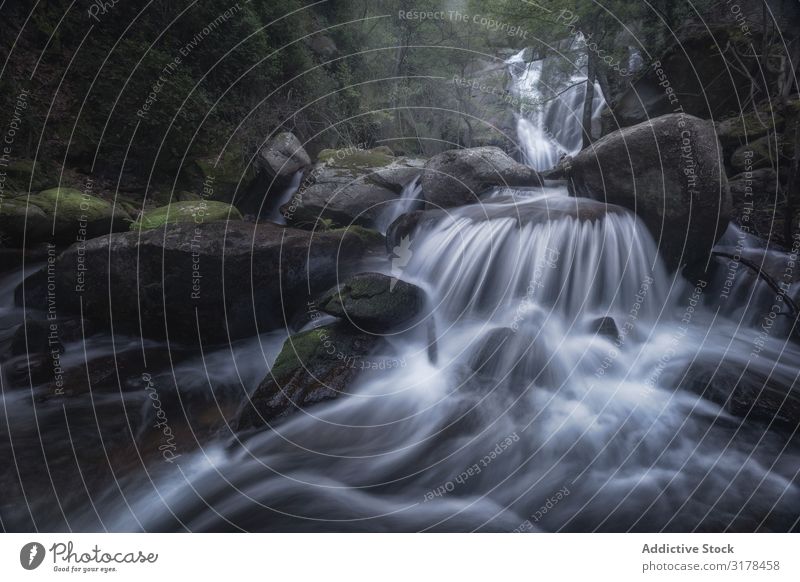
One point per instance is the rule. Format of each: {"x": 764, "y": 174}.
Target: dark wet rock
{"x": 606, "y": 327}
{"x": 216, "y": 281}
{"x": 22, "y": 224}
{"x": 747, "y": 392}
{"x": 374, "y": 302}
{"x": 669, "y": 172}
{"x": 458, "y": 177}
{"x": 314, "y": 366}
{"x": 335, "y": 204}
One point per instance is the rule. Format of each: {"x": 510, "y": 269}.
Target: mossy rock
{"x": 375, "y": 303}
{"x": 355, "y": 159}
{"x": 77, "y": 214}
{"x": 218, "y": 179}
{"x": 199, "y": 212}
{"x": 313, "y": 366}
{"x": 18, "y": 218}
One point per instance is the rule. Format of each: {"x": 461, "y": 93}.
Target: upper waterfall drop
{"x": 549, "y": 123}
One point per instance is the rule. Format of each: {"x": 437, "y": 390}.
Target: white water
{"x": 408, "y": 200}
{"x": 276, "y": 215}
{"x": 550, "y": 123}
{"x": 597, "y": 416}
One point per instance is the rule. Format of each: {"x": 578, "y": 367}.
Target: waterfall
{"x": 275, "y": 214}
{"x": 530, "y": 398}
{"x": 408, "y": 201}
{"x": 550, "y": 122}
{"x": 570, "y": 367}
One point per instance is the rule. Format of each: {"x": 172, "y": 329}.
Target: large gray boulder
{"x": 350, "y": 186}
{"x": 669, "y": 172}
{"x": 282, "y": 156}
{"x": 357, "y": 202}
{"x": 458, "y": 177}
{"x": 214, "y": 281}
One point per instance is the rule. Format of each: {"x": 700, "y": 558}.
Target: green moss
{"x": 71, "y": 205}
{"x": 354, "y": 159}
{"x": 298, "y": 349}
{"x": 198, "y": 212}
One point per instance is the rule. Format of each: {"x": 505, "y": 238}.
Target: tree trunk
{"x": 587, "y": 102}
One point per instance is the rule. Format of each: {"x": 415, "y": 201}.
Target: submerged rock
{"x": 457, "y": 177}
{"x": 669, "y": 172}
{"x": 374, "y": 302}
{"x": 313, "y": 366}
{"x": 606, "y": 327}
{"x": 748, "y": 392}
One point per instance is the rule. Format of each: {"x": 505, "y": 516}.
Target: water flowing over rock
{"x": 550, "y": 120}
{"x": 458, "y": 177}
{"x": 214, "y": 281}
{"x": 352, "y": 186}
{"x": 669, "y": 172}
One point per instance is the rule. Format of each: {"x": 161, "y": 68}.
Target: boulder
{"x": 216, "y": 281}
{"x": 313, "y": 366}
{"x": 398, "y": 174}
{"x": 753, "y": 392}
{"x": 606, "y": 327}
{"x": 194, "y": 212}
{"x": 22, "y": 223}
{"x": 669, "y": 172}
{"x": 282, "y": 156}
{"x": 357, "y": 202}
{"x": 357, "y": 159}
{"x": 457, "y": 177}
{"x": 73, "y": 214}
{"x": 374, "y": 303}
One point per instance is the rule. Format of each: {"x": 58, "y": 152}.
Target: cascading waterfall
{"x": 528, "y": 401}
{"x": 534, "y": 396}
{"x": 276, "y": 215}
{"x": 550, "y": 123}
{"x": 408, "y": 201}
